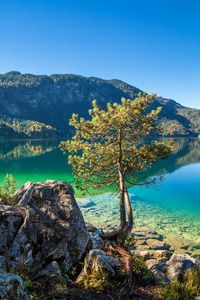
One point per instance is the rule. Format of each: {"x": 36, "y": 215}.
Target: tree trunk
{"x": 125, "y": 227}
{"x": 129, "y": 211}
{"x": 122, "y": 199}
{"x": 123, "y": 223}
{"x": 120, "y": 231}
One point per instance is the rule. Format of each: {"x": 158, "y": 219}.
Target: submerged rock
{"x": 45, "y": 226}
{"x": 146, "y": 254}
{"x": 155, "y": 244}
{"x": 12, "y": 287}
{"x": 146, "y": 234}
{"x": 86, "y": 203}
{"x": 162, "y": 255}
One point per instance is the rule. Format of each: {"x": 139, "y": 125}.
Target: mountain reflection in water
{"x": 45, "y": 158}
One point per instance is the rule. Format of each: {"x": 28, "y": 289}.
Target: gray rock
{"x": 178, "y": 264}
{"x": 50, "y": 271}
{"x": 10, "y": 221}
{"x": 90, "y": 227}
{"x": 46, "y": 225}
{"x": 97, "y": 242}
{"x": 158, "y": 268}
{"x": 12, "y": 287}
{"x": 20, "y": 192}
{"x": 150, "y": 263}
{"x": 97, "y": 261}
{"x": 2, "y": 263}
{"x": 197, "y": 260}
{"x": 160, "y": 275}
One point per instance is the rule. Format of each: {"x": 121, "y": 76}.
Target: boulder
{"x": 45, "y": 226}
{"x": 3, "y": 263}
{"x": 97, "y": 261}
{"x": 12, "y": 287}
{"x": 11, "y": 220}
{"x": 50, "y": 271}
{"x": 178, "y": 264}
{"x": 158, "y": 268}
{"x": 150, "y": 263}
{"x": 97, "y": 242}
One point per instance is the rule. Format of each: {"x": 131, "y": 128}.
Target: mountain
{"x": 51, "y": 100}
{"x": 25, "y": 129}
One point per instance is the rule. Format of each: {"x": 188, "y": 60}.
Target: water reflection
{"x": 20, "y": 149}
{"x": 45, "y": 157}
{"x": 186, "y": 152}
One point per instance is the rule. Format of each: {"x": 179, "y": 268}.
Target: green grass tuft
{"x": 187, "y": 289}
{"x": 7, "y": 190}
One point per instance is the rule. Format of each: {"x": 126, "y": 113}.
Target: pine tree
{"x": 113, "y": 146}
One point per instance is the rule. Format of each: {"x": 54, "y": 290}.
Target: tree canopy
{"x": 121, "y": 136}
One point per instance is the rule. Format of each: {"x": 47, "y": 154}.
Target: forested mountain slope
{"x": 52, "y": 99}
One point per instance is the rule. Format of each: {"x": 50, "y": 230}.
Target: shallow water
{"x": 172, "y": 208}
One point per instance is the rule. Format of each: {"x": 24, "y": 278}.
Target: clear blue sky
{"x": 152, "y": 44}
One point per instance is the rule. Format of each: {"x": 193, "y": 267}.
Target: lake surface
{"x": 172, "y": 208}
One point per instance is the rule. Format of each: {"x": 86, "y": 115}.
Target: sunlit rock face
{"x": 179, "y": 264}
{"x": 48, "y": 226}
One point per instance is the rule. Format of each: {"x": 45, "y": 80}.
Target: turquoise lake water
{"x": 172, "y": 207}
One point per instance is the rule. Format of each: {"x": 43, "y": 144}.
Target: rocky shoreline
{"x": 48, "y": 251}
{"x": 157, "y": 254}
{"x": 177, "y": 230}
{"x": 159, "y": 257}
